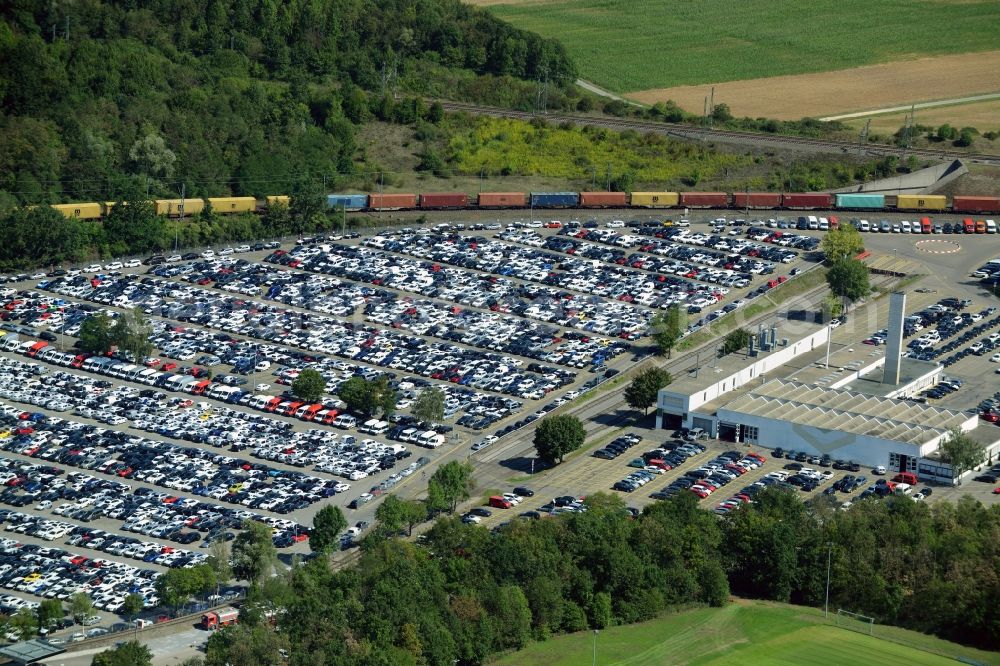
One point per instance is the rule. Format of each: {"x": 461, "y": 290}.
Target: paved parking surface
{"x": 515, "y": 318}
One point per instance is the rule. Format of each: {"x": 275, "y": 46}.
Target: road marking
{"x": 947, "y": 246}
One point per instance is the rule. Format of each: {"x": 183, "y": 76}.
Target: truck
{"x": 224, "y": 617}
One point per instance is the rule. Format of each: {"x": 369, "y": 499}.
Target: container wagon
{"x": 391, "y": 201}
{"x": 444, "y": 200}
{"x": 655, "y": 199}
{"x": 81, "y": 211}
{"x": 603, "y": 199}
{"x": 807, "y": 200}
{"x": 225, "y": 205}
{"x": 921, "y": 202}
{"x": 976, "y": 204}
{"x": 861, "y": 201}
{"x": 756, "y": 199}
{"x": 282, "y": 199}
{"x": 704, "y": 199}
{"x": 503, "y": 200}
{"x": 178, "y": 207}
{"x": 554, "y": 199}
{"x": 347, "y": 201}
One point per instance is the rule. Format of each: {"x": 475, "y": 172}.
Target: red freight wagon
{"x": 811, "y": 200}
{"x": 444, "y": 200}
{"x": 976, "y": 204}
{"x": 704, "y": 199}
{"x": 503, "y": 200}
{"x": 392, "y": 201}
{"x": 756, "y": 199}
{"x": 596, "y": 199}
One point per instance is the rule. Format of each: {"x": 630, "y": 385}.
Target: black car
{"x": 521, "y": 491}
{"x": 47, "y": 335}
{"x": 481, "y": 511}
{"x": 778, "y": 453}
{"x": 986, "y": 478}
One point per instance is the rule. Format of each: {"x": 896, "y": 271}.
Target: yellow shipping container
{"x": 177, "y": 207}
{"x": 233, "y": 204}
{"x": 82, "y": 211}
{"x": 283, "y": 199}
{"x": 921, "y": 202}
{"x": 655, "y": 199}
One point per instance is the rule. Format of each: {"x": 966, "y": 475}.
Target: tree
{"x": 25, "y": 623}
{"x": 642, "y": 392}
{"x": 961, "y": 452}
{"x": 965, "y": 138}
{"x": 429, "y": 405}
{"x": 151, "y": 157}
{"x": 306, "y": 204}
{"x": 848, "y": 279}
{"x": 721, "y": 113}
{"x": 367, "y": 397}
{"x": 132, "y": 606}
{"x": 256, "y": 645}
{"x": 450, "y": 484}
{"x": 389, "y": 514}
{"x": 667, "y": 328}
{"x": 219, "y": 560}
{"x": 555, "y": 436}
{"x": 95, "y": 334}
{"x": 328, "y": 523}
{"x": 309, "y": 385}
{"x": 49, "y": 611}
{"x": 131, "y": 333}
{"x": 435, "y": 113}
{"x": 946, "y": 132}
{"x": 80, "y": 606}
{"x": 254, "y": 554}
{"x": 735, "y": 340}
{"x": 131, "y": 653}
{"x": 844, "y": 242}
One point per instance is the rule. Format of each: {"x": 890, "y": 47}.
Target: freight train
{"x": 589, "y": 200}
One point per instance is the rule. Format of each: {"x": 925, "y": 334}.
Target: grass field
{"x": 741, "y": 634}
{"x": 984, "y": 116}
{"x": 630, "y": 45}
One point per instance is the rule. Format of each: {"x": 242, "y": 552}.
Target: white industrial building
{"x": 807, "y": 394}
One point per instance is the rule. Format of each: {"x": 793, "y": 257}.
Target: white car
{"x": 132, "y": 263}
{"x": 208, "y": 254}
{"x": 995, "y": 358}
{"x": 93, "y": 268}
{"x": 113, "y": 266}
{"x": 616, "y": 224}
{"x": 263, "y": 387}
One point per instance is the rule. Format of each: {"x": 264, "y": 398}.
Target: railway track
{"x": 708, "y": 134}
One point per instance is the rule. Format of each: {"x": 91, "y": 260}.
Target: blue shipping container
{"x": 347, "y": 201}
{"x": 860, "y": 201}
{"x": 554, "y": 199}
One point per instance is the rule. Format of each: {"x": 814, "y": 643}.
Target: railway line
{"x": 690, "y": 132}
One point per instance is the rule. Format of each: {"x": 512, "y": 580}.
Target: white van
{"x": 863, "y": 225}
{"x": 824, "y": 224}
{"x": 991, "y": 227}
{"x": 431, "y": 439}
{"x": 813, "y": 222}
{"x": 904, "y": 226}
{"x": 345, "y": 421}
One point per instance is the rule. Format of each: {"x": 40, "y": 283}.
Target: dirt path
{"x": 845, "y": 91}
{"x": 922, "y": 105}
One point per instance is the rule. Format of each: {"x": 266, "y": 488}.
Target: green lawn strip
{"x": 742, "y": 633}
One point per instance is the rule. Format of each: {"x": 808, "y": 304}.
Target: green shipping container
{"x": 860, "y": 201}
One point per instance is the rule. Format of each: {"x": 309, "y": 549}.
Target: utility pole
{"x": 711, "y": 105}
{"x": 609, "y": 176}
{"x": 594, "y": 662}
{"x": 748, "y": 201}
{"x": 182, "y": 199}
{"x": 863, "y": 137}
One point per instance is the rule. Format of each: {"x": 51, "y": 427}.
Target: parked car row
{"x": 55, "y": 573}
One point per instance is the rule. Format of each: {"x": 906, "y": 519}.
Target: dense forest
{"x": 462, "y": 593}
{"x": 231, "y": 96}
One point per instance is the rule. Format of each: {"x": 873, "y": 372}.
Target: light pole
{"x": 826, "y": 607}
{"x": 596, "y": 631}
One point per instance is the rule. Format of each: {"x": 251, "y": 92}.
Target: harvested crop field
{"x": 631, "y": 45}
{"x": 984, "y": 116}
{"x": 843, "y": 91}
